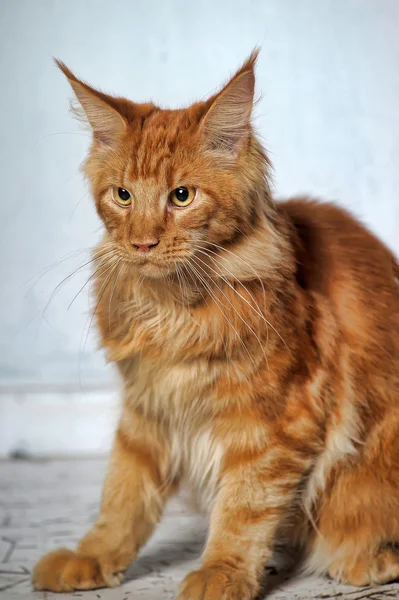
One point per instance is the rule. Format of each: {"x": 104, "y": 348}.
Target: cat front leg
{"x": 134, "y": 495}
{"x": 254, "y": 495}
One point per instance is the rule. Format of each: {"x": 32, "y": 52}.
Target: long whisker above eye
{"x": 86, "y": 135}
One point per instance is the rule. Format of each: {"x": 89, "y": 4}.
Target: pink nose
{"x": 144, "y": 245}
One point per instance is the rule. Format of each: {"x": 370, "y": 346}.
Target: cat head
{"x": 171, "y": 183}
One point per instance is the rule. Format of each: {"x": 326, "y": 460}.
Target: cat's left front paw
{"x": 215, "y": 583}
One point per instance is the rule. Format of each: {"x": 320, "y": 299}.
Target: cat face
{"x": 170, "y": 183}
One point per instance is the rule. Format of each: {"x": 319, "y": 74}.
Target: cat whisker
{"x": 246, "y": 263}
{"x": 179, "y": 283}
{"x": 53, "y": 265}
{"x": 228, "y": 283}
{"x": 220, "y": 306}
{"x": 92, "y": 276}
{"x": 122, "y": 266}
{"x": 233, "y": 307}
{"x": 77, "y": 205}
{"x": 258, "y": 311}
{"x": 217, "y": 257}
{"x": 59, "y": 286}
{"x": 204, "y": 297}
{"x": 100, "y": 295}
{"x": 59, "y": 133}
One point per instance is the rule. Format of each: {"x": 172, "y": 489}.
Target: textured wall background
{"x": 329, "y": 118}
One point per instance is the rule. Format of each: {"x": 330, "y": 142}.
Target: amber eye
{"x": 121, "y": 196}
{"x": 182, "y": 196}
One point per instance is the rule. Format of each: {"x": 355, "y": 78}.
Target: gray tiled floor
{"x": 47, "y": 504}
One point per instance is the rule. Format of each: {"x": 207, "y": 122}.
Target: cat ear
{"x": 226, "y": 124}
{"x": 98, "y": 108}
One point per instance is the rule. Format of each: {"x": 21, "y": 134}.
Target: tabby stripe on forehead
{"x": 156, "y": 168}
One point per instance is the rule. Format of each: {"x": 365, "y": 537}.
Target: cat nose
{"x": 144, "y": 245}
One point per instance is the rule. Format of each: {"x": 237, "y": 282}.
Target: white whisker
{"x": 220, "y": 306}
{"x": 246, "y": 263}
{"x": 258, "y": 311}
{"x": 112, "y": 292}
{"x": 234, "y": 308}
{"x": 100, "y": 294}
{"x": 68, "y": 277}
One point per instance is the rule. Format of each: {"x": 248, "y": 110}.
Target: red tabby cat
{"x": 259, "y": 349}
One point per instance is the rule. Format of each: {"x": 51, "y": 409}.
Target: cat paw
{"x": 65, "y": 571}
{"x": 216, "y": 584}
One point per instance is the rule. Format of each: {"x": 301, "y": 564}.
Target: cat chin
{"x": 152, "y": 270}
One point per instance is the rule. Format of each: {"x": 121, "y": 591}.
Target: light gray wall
{"x": 329, "y": 117}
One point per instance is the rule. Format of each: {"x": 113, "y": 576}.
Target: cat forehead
{"x": 160, "y": 141}
{"x": 150, "y": 172}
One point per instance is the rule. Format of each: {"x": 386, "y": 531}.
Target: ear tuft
{"x": 107, "y": 123}
{"x": 226, "y": 124}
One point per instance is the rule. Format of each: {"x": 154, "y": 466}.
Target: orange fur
{"x": 259, "y": 348}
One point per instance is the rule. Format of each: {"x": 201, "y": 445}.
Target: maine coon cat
{"x": 258, "y": 343}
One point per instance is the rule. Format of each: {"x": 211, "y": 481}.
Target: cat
{"x": 258, "y": 344}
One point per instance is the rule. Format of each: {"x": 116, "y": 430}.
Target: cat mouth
{"x": 151, "y": 265}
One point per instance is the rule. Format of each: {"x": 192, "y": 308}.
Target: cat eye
{"x": 121, "y": 196}
{"x": 182, "y": 196}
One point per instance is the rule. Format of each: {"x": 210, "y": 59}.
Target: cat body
{"x": 258, "y": 346}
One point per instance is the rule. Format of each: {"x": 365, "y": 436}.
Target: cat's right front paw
{"x": 65, "y": 571}
{"x": 215, "y": 583}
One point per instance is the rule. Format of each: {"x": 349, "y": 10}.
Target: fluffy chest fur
{"x": 180, "y": 379}
{"x": 179, "y": 400}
